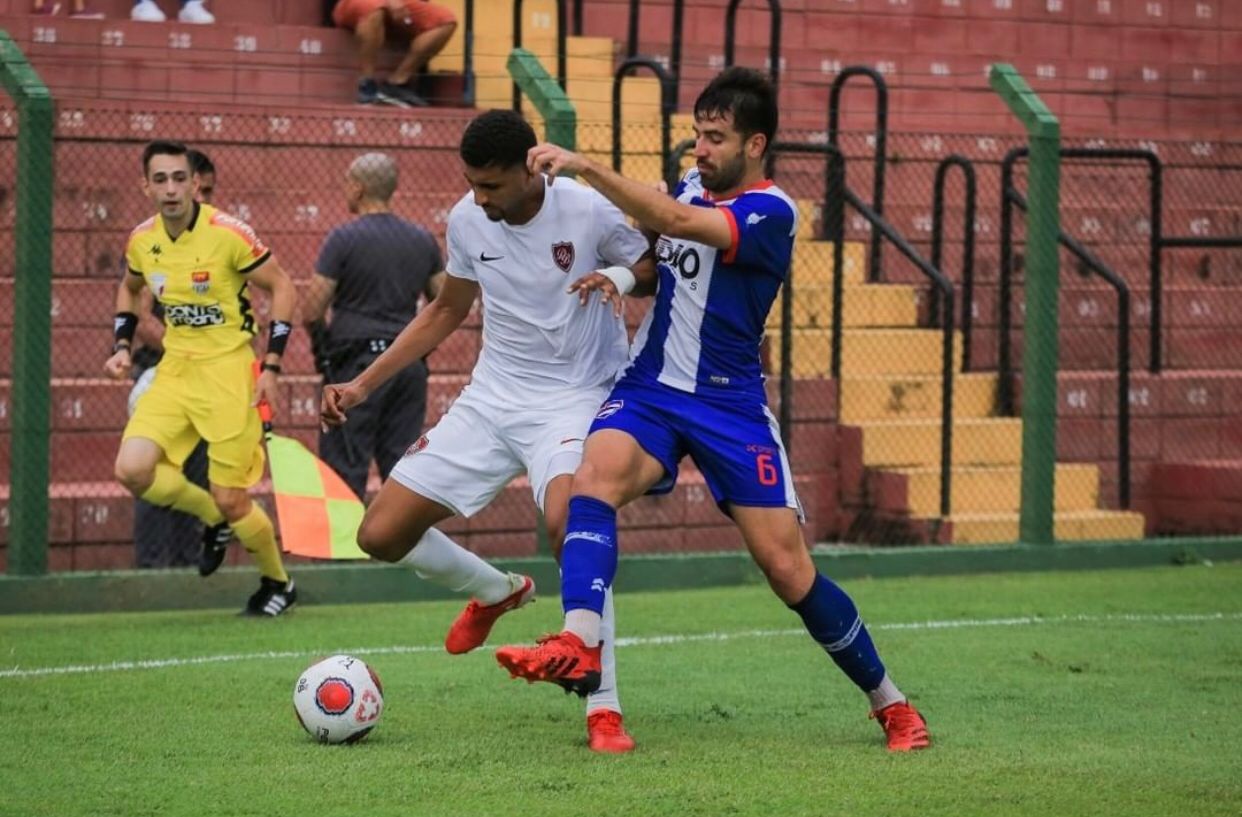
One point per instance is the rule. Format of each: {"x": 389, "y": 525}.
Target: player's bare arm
{"x": 270, "y": 276}
{"x": 652, "y": 209}
{"x": 423, "y": 334}
{"x": 316, "y": 298}
{"x": 605, "y": 282}
{"x": 150, "y": 332}
{"x": 128, "y": 303}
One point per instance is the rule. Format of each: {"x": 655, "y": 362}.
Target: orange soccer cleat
{"x": 904, "y": 726}
{"x": 560, "y": 659}
{"x": 606, "y": 733}
{"x": 471, "y": 628}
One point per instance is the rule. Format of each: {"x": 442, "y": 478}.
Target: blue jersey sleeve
{"x": 763, "y": 228}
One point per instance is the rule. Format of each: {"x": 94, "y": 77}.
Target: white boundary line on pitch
{"x": 635, "y": 641}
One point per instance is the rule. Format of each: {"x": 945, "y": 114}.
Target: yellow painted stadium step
{"x": 896, "y": 351}
{"x": 916, "y": 443}
{"x": 987, "y": 529}
{"x": 494, "y": 21}
{"x": 638, "y": 90}
{"x": 812, "y": 351}
{"x": 874, "y": 305}
{"x": 640, "y": 128}
{"x": 590, "y": 57}
{"x": 898, "y": 397}
{"x": 644, "y": 167}
{"x": 812, "y": 264}
{"x": 998, "y": 490}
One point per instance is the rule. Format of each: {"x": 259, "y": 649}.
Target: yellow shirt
{"x": 200, "y": 278}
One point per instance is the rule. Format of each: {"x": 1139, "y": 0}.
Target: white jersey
{"x": 538, "y": 341}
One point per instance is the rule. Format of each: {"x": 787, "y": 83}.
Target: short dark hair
{"x": 747, "y": 95}
{"x": 161, "y": 147}
{"x": 200, "y": 163}
{"x": 497, "y": 137}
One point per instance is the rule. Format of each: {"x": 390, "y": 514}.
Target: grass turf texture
{"x": 1106, "y": 716}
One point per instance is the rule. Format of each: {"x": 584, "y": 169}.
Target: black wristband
{"x": 270, "y": 367}
{"x": 124, "y": 325}
{"x": 278, "y": 336}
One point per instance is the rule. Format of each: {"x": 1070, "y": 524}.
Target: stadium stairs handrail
{"x": 968, "y": 242}
{"x": 1012, "y": 197}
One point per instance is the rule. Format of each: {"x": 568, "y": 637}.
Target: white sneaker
{"x": 147, "y": 12}
{"x": 195, "y": 12}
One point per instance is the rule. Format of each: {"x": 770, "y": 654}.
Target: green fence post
{"x": 548, "y": 97}
{"x": 32, "y": 314}
{"x": 1039, "y": 355}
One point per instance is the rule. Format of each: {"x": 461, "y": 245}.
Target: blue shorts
{"x": 736, "y": 444}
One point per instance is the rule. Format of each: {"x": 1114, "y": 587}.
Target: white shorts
{"x": 478, "y": 448}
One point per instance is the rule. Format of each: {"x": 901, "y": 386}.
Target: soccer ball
{"x": 338, "y": 699}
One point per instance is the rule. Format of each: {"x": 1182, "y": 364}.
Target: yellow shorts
{"x": 209, "y": 399}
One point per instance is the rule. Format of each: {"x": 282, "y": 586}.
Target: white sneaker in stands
{"x": 195, "y": 12}
{"x": 147, "y": 12}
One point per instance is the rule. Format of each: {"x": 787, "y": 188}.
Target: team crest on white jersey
{"x": 563, "y": 255}
{"x": 418, "y": 445}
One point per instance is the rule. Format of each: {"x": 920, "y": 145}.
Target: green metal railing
{"x": 1039, "y": 352}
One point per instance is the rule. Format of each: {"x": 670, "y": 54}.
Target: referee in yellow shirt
{"x": 199, "y": 263}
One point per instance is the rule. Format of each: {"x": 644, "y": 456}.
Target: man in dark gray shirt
{"x": 371, "y": 272}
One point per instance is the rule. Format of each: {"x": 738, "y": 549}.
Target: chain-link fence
{"x": 1182, "y": 410}
{"x": 865, "y": 445}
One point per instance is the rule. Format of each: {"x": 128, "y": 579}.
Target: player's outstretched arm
{"x": 654, "y": 210}
{"x": 271, "y": 276}
{"x": 128, "y": 302}
{"x": 427, "y": 331}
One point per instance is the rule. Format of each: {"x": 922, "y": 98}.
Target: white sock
{"x": 886, "y": 694}
{"x": 585, "y": 624}
{"x": 439, "y": 559}
{"x": 606, "y": 696}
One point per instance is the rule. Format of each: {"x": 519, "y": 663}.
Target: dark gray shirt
{"x": 381, "y": 264}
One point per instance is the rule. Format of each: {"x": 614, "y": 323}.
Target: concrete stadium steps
{"x": 813, "y": 258}
{"x": 994, "y": 490}
{"x": 872, "y": 305}
{"x": 1105, "y": 68}
{"x": 1196, "y": 497}
{"x": 242, "y": 62}
{"x": 1106, "y": 74}
{"x": 982, "y": 441}
{"x": 980, "y": 529}
{"x": 896, "y": 351}
{"x": 897, "y": 397}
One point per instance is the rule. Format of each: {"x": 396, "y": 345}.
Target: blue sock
{"x": 832, "y": 619}
{"x": 589, "y": 555}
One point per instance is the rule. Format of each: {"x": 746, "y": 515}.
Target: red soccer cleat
{"x": 606, "y": 733}
{"x": 560, "y": 659}
{"x": 474, "y": 624}
{"x": 904, "y": 726}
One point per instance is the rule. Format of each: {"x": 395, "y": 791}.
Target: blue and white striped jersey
{"x": 703, "y": 332}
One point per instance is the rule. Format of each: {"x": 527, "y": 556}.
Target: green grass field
{"x": 1095, "y": 693}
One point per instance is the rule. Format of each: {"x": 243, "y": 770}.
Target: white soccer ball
{"x": 338, "y": 699}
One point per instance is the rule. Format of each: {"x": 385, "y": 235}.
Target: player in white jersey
{"x": 695, "y": 387}
{"x": 550, "y": 353}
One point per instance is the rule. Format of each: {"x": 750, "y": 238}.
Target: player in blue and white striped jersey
{"x": 694, "y": 386}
